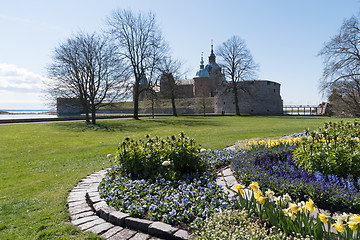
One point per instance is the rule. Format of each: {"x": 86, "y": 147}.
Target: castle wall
{"x": 69, "y": 106}
{"x": 255, "y": 97}
{"x": 202, "y": 87}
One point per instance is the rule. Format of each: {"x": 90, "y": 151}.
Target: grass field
{"x": 41, "y": 163}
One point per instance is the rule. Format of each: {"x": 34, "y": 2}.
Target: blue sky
{"x": 283, "y": 36}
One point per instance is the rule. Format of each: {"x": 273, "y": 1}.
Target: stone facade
{"x": 255, "y": 97}
{"x": 69, "y": 106}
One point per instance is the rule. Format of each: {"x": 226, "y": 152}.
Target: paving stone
{"x": 77, "y": 203}
{"x": 227, "y": 172}
{"x": 103, "y": 210}
{"x": 138, "y": 223}
{"x": 82, "y": 187}
{"x": 84, "y": 220}
{"x": 93, "y": 194}
{"x": 101, "y": 228}
{"x": 231, "y": 148}
{"x": 77, "y": 209}
{"x": 162, "y": 230}
{"x": 181, "y": 234}
{"x": 91, "y": 224}
{"x": 140, "y": 236}
{"x": 125, "y": 234}
{"x": 221, "y": 182}
{"x": 230, "y": 180}
{"x": 112, "y": 231}
{"x": 77, "y": 195}
{"x": 94, "y": 199}
{"x": 81, "y": 215}
{"x": 118, "y": 218}
{"x": 92, "y": 180}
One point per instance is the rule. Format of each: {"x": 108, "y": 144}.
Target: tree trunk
{"x": 86, "y": 110}
{"x": 237, "y": 109}
{"x": 93, "y": 114}
{"x": 152, "y": 108}
{"x": 136, "y": 100}
{"x": 173, "y": 105}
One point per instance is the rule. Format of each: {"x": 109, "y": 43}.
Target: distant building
{"x": 69, "y": 106}
{"x": 255, "y": 97}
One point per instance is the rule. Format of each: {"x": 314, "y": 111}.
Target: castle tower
{"x": 202, "y": 83}
{"x": 216, "y": 75}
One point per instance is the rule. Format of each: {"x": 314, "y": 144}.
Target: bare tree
{"x": 170, "y": 70}
{"x": 237, "y": 63}
{"x": 341, "y": 72}
{"x": 86, "y": 67}
{"x": 141, "y": 45}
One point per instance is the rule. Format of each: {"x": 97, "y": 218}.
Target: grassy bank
{"x": 41, "y": 163}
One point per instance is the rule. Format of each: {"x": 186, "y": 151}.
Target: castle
{"x": 254, "y": 97}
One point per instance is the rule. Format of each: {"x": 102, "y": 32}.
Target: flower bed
{"x": 189, "y": 200}
{"x": 276, "y": 169}
{"x": 170, "y": 180}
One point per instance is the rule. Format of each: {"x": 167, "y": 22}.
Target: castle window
{"x": 224, "y": 103}
{"x": 252, "y": 110}
{"x": 274, "y": 90}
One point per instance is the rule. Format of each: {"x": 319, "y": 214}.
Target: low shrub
{"x": 153, "y": 157}
{"x": 333, "y": 149}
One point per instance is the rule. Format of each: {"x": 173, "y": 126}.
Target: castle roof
{"x": 202, "y": 72}
{"x": 212, "y": 66}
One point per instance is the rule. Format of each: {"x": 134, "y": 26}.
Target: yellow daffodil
{"x": 309, "y": 205}
{"x": 295, "y": 208}
{"x": 356, "y": 218}
{"x": 254, "y": 186}
{"x": 288, "y": 212}
{"x": 257, "y": 194}
{"x": 323, "y": 218}
{"x": 261, "y": 200}
{"x": 352, "y": 225}
{"x": 340, "y": 227}
{"x": 239, "y": 189}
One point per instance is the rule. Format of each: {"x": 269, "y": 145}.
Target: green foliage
{"x": 154, "y": 157}
{"x": 333, "y": 149}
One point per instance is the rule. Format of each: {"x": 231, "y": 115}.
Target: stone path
{"x": 90, "y": 213}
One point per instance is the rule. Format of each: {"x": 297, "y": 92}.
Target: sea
{"x": 27, "y": 114}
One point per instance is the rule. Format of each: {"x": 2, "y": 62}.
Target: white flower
{"x": 269, "y": 193}
{"x": 108, "y": 156}
{"x": 166, "y": 163}
{"x": 203, "y": 150}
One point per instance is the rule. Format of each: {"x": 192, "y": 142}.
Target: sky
{"x": 283, "y": 36}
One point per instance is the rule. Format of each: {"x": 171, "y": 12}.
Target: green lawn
{"x": 40, "y": 163}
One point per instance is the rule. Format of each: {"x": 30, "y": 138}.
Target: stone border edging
{"x": 91, "y": 213}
